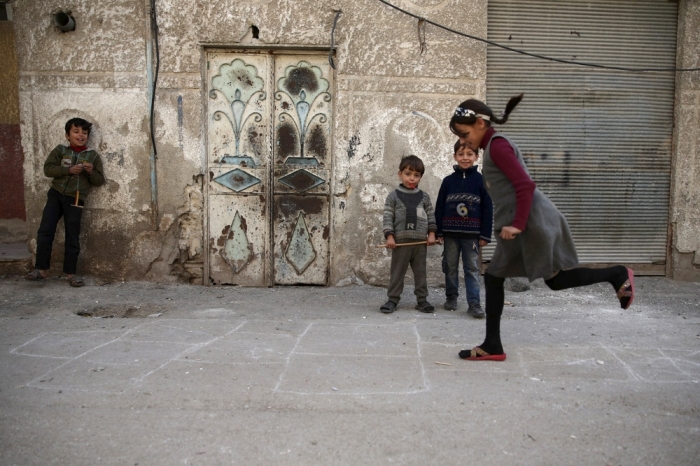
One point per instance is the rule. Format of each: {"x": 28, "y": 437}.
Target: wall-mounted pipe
{"x": 64, "y": 21}
{"x": 152, "y": 75}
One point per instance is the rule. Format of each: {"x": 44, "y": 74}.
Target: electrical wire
{"x": 421, "y": 37}
{"x": 542, "y": 57}
{"x": 154, "y": 29}
{"x": 330, "y": 52}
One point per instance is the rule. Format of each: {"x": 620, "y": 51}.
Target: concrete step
{"x": 15, "y": 259}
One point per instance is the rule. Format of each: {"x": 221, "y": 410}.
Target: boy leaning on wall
{"x": 75, "y": 169}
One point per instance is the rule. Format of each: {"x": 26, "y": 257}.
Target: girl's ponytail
{"x": 510, "y": 106}
{"x": 469, "y": 110}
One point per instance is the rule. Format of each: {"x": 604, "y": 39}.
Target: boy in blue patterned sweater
{"x": 408, "y": 218}
{"x": 464, "y": 215}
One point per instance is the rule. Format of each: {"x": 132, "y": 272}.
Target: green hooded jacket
{"x": 59, "y": 162}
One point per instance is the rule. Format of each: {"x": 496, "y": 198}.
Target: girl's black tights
{"x": 583, "y": 276}
{"x": 495, "y": 295}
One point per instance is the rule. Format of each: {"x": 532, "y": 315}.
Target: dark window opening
{"x": 255, "y": 31}
{"x": 4, "y": 14}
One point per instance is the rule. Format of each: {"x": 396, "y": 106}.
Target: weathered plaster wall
{"x": 9, "y": 107}
{"x": 381, "y": 80}
{"x": 13, "y": 228}
{"x": 99, "y": 72}
{"x": 395, "y": 101}
{"x": 685, "y": 210}
{"x": 389, "y": 100}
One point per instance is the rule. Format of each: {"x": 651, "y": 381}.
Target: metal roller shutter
{"x": 597, "y": 142}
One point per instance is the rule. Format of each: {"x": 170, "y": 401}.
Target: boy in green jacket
{"x": 74, "y": 169}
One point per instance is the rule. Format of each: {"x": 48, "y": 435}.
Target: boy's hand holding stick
{"x": 398, "y": 245}
{"x": 77, "y": 168}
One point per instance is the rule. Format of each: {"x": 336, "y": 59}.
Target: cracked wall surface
{"x": 13, "y": 227}
{"x": 389, "y": 100}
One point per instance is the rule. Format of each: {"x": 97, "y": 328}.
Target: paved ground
{"x": 317, "y": 376}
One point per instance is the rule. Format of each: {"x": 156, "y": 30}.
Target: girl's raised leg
{"x": 620, "y": 277}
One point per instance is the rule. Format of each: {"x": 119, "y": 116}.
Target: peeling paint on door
{"x": 301, "y": 181}
{"x": 252, "y": 98}
{"x": 238, "y": 161}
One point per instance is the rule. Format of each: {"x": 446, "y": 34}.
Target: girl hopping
{"x": 532, "y": 237}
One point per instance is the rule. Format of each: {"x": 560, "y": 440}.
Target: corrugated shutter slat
{"x": 597, "y": 142}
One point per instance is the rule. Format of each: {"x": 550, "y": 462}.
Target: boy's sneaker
{"x": 475, "y": 311}
{"x": 388, "y": 307}
{"x": 425, "y": 306}
{"x": 451, "y": 304}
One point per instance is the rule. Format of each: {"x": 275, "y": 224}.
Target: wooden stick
{"x": 403, "y": 244}
{"x": 77, "y": 197}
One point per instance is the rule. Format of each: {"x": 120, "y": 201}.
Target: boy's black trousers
{"x": 57, "y": 206}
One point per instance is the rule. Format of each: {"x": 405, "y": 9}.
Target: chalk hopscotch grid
{"x": 18, "y": 350}
{"x": 628, "y": 362}
{"x": 650, "y": 357}
{"x": 680, "y": 369}
{"x": 36, "y": 382}
{"x": 253, "y": 352}
{"x": 425, "y": 385}
{"x": 191, "y": 348}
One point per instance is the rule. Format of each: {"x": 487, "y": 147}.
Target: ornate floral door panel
{"x": 268, "y": 133}
{"x": 301, "y": 240}
{"x": 239, "y": 120}
{"x": 237, "y": 245}
{"x": 302, "y": 111}
{"x": 302, "y": 148}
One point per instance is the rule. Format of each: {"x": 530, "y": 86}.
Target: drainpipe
{"x": 152, "y": 77}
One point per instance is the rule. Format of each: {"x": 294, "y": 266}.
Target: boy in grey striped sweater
{"x": 409, "y": 218}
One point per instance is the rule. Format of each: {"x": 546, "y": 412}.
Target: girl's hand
{"x": 439, "y": 240}
{"x": 509, "y": 232}
{"x": 482, "y": 243}
{"x": 390, "y": 242}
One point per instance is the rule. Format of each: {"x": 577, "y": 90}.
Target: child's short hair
{"x": 457, "y": 146}
{"x": 80, "y": 123}
{"x": 413, "y": 162}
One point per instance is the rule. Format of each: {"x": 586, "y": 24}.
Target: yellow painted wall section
{"x": 9, "y": 96}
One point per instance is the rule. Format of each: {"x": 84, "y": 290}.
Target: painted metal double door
{"x": 269, "y": 156}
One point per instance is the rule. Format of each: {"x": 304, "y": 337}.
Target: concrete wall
{"x": 381, "y": 79}
{"x": 398, "y": 103}
{"x": 13, "y": 228}
{"x": 685, "y": 210}
{"x": 99, "y": 72}
{"x": 390, "y": 100}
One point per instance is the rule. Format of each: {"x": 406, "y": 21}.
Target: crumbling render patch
{"x": 179, "y": 239}
{"x": 190, "y": 221}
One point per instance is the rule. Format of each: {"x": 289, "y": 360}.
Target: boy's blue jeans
{"x": 468, "y": 249}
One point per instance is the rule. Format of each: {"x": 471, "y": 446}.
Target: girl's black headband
{"x": 469, "y": 113}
